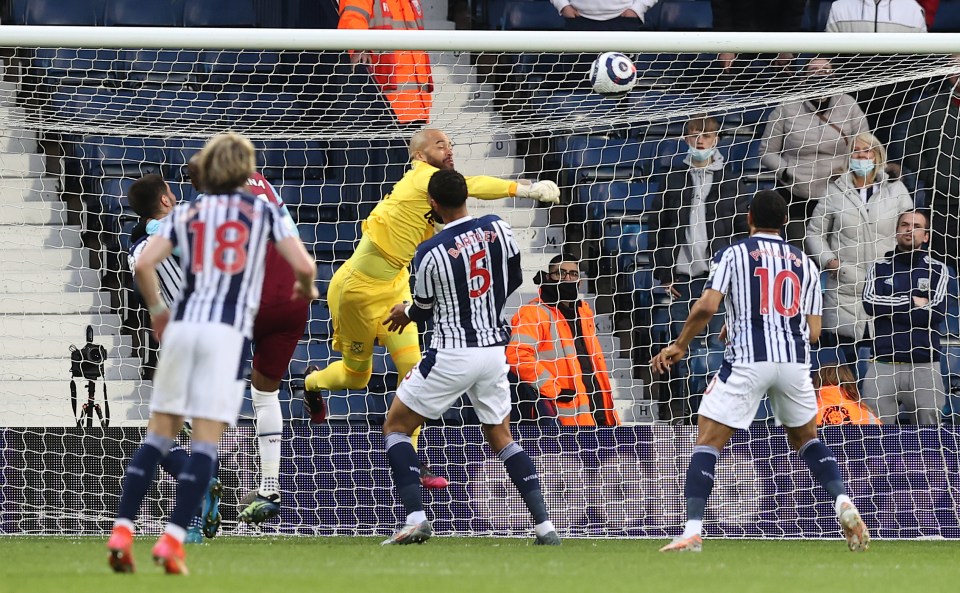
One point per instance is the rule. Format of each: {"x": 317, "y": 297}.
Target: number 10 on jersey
{"x": 785, "y": 292}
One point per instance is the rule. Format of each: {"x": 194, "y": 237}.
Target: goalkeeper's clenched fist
{"x": 542, "y": 191}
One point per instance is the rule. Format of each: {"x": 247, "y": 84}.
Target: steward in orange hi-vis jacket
{"x": 555, "y": 349}
{"x": 838, "y": 401}
{"x": 404, "y": 77}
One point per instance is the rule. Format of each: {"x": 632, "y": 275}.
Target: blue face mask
{"x": 152, "y": 227}
{"x": 862, "y": 167}
{"x": 699, "y": 155}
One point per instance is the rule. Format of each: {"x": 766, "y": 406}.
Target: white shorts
{"x": 734, "y": 395}
{"x": 199, "y": 374}
{"x": 442, "y": 376}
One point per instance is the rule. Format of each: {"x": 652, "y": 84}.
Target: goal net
{"x": 652, "y": 183}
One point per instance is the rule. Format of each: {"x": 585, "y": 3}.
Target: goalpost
{"x": 85, "y": 111}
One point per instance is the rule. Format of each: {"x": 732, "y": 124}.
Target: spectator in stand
{"x": 555, "y": 349}
{"x": 757, "y": 15}
{"x": 404, "y": 77}
{"x": 876, "y": 16}
{"x": 838, "y": 400}
{"x": 905, "y": 293}
{"x": 603, "y": 15}
{"x": 704, "y": 209}
{"x": 808, "y": 142}
{"x": 931, "y": 152}
{"x": 853, "y": 224}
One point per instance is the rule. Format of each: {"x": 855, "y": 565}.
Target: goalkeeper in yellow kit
{"x": 376, "y": 276}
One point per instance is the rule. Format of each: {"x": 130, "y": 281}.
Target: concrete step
{"x": 8, "y": 94}
{"x": 523, "y": 218}
{"x": 54, "y": 303}
{"x": 29, "y": 189}
{"x": 22, "y": 165}
{"x": 19, "y": 237}
{"x": 40, "y": 347}
{"x": 16, "y": 140}
{"x": 61, "y": 327}
{"x": 67, "y": 280}
{"x": 43, "y": 259}
{"x": 34, "y": 213}
{"x": 58, "y": 369}
{"x": 547, "y": 240}
{"x": 47, "y": 403}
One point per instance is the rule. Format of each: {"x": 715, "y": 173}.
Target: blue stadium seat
{"x": 947, "y": 19}
{"x": 312, "y": 203}
{"x": 79, "y": 13}
{"x": 219, "y": 13}
{"x": 107, "y": 156}
{"x": 325, "y": 272}
{"x": 239, "y": 67}
{"x": 183, "y": 190}
{"x": 292, "y": 159}
{"x": 597, "y": 157}
{"x": 624, "y": 246}
{"x": 531, "y": 16}
{"x": 135, "y": 13}
{"x": 603, "y": 200}
{"x": 562, "y": 105}
{"x": 329, "y": 240}
{"x": 18, "y": 12}
{"x": 685, "y": 16}
{"x": 320, "y": 324}
{"x": 159, "y": 66}
{"x": 178, "y": 154}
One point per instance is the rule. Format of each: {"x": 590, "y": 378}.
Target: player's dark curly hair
{"x": 144, "y": 195}
{"x": 448, "y": 188}
{"x": 768, "y": 209}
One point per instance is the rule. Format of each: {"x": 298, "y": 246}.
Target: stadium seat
{"x": 135, "y": 13}
{"x": 329, "y": 240}
{"x": 219, "y": 13}
{"x": 624, "y": 246}
{"x": 567, "y": 105}
{"x": 178, "y": 154}
{"x": 325, "y": 272}
{"x": 311, "y": 203}
{"x": 599, "y": 158}
{"x": 531, "y": 16}
{"x": 161, "y": 67}
{"x": 685, "y": 16}
{"x": 238, "y": 67}
{"x": 598, "y": 201}
{"x": 79, "y": 13}
{"x": 291, "y": 159}
{"x": 947, "y": 19}
{"x": 320, "y": 324}
{"x": 108, "y": 156}
{"x": 18, "y": 12}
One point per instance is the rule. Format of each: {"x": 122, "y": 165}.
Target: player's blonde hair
{"x": 226, "y": 163}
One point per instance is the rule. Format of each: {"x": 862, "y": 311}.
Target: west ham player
{"x": 222, "y": 237}
{"x": 463, "y": 278}
{"x": 375, "y": 277}
{"x": 773, "y": 304}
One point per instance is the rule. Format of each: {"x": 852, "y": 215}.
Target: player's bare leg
{"x": 264, "y": 504}
{"x": 823, "y": 465}
{"x": 523, "y": 474}
{"x": 712, "y": 437}
{"x": 405, "y": 467}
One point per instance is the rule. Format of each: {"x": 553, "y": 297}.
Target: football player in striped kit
{"x": 222, "y": 237}
{"x": 773, "y": 309}
{"x": 463, "y": 278}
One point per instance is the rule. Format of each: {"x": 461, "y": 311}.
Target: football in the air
{"x": 613, "y": 74}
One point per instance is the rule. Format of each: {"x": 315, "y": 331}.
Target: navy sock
{"x": 139, "y": 474}
{"x": 699, "y": 481}
{"x": 175, "y": 461}
{"x": 823, "y": 465}
{"x": 405, "y": 467}
{"x": 523, "y": 473}
{"x": 192, "y": 483}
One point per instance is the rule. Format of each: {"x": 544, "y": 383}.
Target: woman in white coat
{"x": 851, "y": 226}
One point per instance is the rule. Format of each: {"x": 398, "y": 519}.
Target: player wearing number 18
{"x": 222, "y": 236}
{"x": 773, "y": 305}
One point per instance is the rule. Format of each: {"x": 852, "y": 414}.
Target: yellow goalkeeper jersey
{"x": 400, "y": 221}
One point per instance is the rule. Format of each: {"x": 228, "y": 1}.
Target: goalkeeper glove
{"x": 542, "y": 191}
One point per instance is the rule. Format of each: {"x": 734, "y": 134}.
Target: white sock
{"x": 543, "y": 528}
{"x": 693, "y": 527}
{"x": 266, "y": 405}
{"x": 840, "y": 500}
{"x": 416, "y": 517}
{"x": 178, "y": 533}
{"x": 125, "y": 523}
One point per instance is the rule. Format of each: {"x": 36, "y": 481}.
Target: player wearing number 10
{"x": 222, "y": 237}
{"x": 773, "y": 305}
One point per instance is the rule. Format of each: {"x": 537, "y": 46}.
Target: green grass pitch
{"x": 455, "y": 565}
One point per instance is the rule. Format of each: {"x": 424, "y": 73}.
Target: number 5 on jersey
{"x": 478, "y": 271}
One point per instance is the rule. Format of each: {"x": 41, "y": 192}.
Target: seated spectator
{"x": 704, "y": 209}
{"x": 555, "y": 349}
{"x": 758, "y": 16}
{"x": 838, "y": 400}
{"x": 853, "y": 224}
{"x": 876, "y": 16}
{"x": 929, "y": 10}
{"x": 931, "y": 153}
{"x": 807, "y": 143}
{"x": 603, "y": 15}
{"x": 905, "y": 294}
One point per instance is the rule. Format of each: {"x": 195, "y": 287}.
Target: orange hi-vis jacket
{"x": 404, "y": 76}
{"x": 835, "y": 407}
{"x": 542, "y": 353}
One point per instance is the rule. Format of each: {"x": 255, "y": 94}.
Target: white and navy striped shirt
{"x": 770, "y": 288}
{"x": 168, "y": 271}
{"x": 223, "y": 244}
{"x": 464, "y": 275}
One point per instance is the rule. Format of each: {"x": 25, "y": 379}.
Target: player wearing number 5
{"x": 773, "y": 308}
{"x": 222, "y": 237}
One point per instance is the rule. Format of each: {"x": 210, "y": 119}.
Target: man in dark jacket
{"x": 757, "y": 15}
{"x": 905, "y": 293}
{"x": 704, "y": 209}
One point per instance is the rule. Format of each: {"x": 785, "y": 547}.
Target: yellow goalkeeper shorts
{"x": 359, "y": 304}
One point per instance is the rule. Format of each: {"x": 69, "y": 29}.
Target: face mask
{"x": 152, "y": 227}
{"x": 556, "y": 292}
{"x": 699, "y": 155}
{"x": 862, "y": 167}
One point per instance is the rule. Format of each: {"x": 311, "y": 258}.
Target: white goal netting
{"x": 79, "y": 125}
